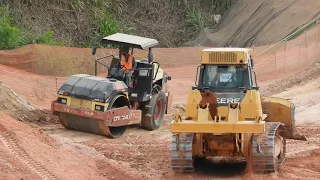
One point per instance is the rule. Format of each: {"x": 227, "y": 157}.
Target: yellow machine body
{"x": 236, "y": 121}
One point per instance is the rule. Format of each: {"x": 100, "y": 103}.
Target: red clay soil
{"x": 140, "y": 153}
{"x": 61, "y": 158}
{"x": 149, "y": 153}
{"x": 11, "y": 168}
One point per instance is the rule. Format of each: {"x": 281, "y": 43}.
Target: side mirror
{"x": 94, "y": 50}
{"x": 252, "y": 64}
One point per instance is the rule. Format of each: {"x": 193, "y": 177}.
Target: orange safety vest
{"x": 127, "y": 64}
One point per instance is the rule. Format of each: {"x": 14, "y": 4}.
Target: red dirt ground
{"x": 144, "y": 154}
{"x": 62, "y": 158}
{"x": 139, "y": 153}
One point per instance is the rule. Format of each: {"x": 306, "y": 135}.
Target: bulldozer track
{"x": 181, "y": 153}
{"x": 266, "y": 161}
{"x": 11, "y": 143}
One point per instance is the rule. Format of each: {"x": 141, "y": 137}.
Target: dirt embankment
{"x": 12, "y": 104}
{"x": 252, "y": 22}
{"x": 306, "y": 75}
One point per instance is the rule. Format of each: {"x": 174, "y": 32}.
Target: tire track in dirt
{"x": 10, "y": 141}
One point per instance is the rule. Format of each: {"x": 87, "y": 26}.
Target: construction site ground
{"x": 33, "y": 145}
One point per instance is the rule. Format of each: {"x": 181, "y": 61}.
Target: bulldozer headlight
{"x": 99, "y": 108}
{"x": 62, "y": 100}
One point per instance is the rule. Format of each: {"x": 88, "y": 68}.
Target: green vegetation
{"x": 10, "y": 35}
{"x": 48, "y": 38}
{"x": 195, "y": 20}
{"x": 81, "y": 23}
{"x": 106, "y": 25}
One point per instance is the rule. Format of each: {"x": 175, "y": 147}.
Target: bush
{"x": 195, "y": 20}
{"x": 48, "y": 38}
{"x": 107, "y": 25}
{"x": 10, "y": 36}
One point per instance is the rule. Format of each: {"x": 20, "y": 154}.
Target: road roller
{"x": 133, "y": 92}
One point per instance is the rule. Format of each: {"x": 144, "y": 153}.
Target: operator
{"x": 229, "y": 71}
{"x": 127, "y": 64}
{"x": 216, "y": 79}
{"x": 127, "y": 60}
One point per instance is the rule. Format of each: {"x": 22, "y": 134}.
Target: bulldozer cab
{"x": 140, "y": 75}
{"x": 223, "y": 70}
{"x": 223, "y": 76}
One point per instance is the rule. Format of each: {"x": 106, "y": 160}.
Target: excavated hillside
{"x": 258, "y": 22}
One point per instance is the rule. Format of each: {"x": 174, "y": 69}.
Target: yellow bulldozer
{"x": 134, "y": 92}
{"x": 227, "y": 117}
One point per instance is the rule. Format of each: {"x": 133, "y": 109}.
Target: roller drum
{"x": 94, "y": 126}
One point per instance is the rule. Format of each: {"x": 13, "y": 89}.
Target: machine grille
{"x": 223, "y": 57}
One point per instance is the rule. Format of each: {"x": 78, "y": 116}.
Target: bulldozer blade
{"x": 283, "y": 111}
{"x": 291, "y": 130}
{"x": 88, "y": 125}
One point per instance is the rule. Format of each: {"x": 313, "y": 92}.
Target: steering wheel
{"x": 120, "y": 66}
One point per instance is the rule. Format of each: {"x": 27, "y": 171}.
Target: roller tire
{"x": 152, "y": 117}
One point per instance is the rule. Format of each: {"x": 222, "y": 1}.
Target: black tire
{"x": 152, "y": 117}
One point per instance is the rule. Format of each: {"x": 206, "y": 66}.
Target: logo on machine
{"x": 224, "y": 99}
{"x": 119, "y": 118}
{"x": 228, "y": 100}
